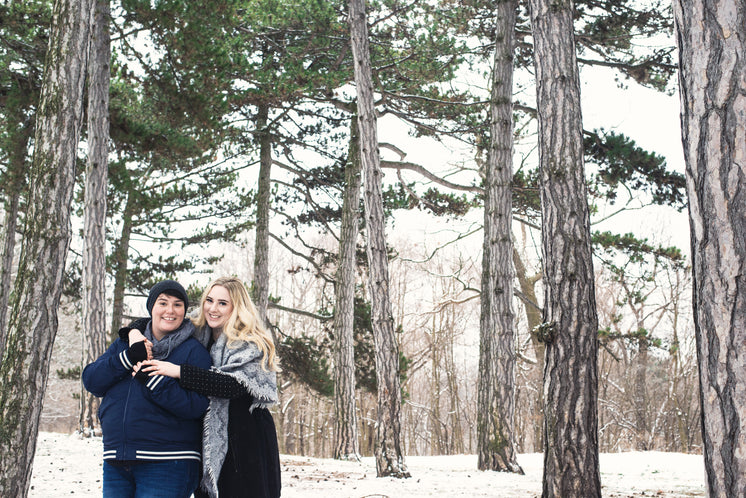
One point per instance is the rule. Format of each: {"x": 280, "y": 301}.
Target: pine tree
{"x": 346, "y": 443}
{"x": 712, "y": 59}
{"x": 47, "y": 232}
{"x": 570, "y": 323}
{"x": 388, "y": 450}
{"x": 94, "y": 222}
{"x": 497, "y": 358}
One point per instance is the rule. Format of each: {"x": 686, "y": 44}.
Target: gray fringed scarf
{"x": 172, "y": 340}
{"x": 242, "y": 361}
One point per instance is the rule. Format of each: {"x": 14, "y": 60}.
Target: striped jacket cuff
{"x": 154, "y": 381}
{"x": 125, "y": 360}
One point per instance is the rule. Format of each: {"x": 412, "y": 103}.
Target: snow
{"x": 68, "y": 465}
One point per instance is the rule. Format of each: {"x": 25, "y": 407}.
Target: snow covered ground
{"x": 67, "y": 465}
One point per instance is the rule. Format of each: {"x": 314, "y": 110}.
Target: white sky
{"x": 648, "y": 117}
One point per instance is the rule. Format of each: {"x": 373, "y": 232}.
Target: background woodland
{"x": 238, "y": 138}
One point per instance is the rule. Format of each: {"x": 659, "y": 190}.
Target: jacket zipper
{"x": 124, "y": 422}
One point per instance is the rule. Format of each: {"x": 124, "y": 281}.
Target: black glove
{"x": 139, "y": 324}
{"x": 137, "y": 353}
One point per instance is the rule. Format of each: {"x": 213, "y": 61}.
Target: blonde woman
{"x": 240, "y": 453}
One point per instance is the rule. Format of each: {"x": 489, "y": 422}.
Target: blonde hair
{"x": 244, "y": 323}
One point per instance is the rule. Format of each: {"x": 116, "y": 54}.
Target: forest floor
{"x": 68, "y": 465}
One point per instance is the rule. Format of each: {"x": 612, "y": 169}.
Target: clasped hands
{"x": 157, "y": 367}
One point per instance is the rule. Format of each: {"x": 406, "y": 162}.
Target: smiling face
{"x": 168, "y": 314}
{"x": 217, "y": 307}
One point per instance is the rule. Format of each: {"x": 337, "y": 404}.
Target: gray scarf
{"x": 242, "y": 361}
{"x": 172, "y": 340}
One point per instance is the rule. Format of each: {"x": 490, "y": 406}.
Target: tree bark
{"x": 94, "y": 223}
{"x": 15, "y": 176}
{"x": 120, "y": 262}
{"x": 570, "y": 324}
{"x": 346, "y": 444}
{"x": 6, "y": 270}
{"x": 496, "y": 384}
{"x": 261, "y": 242}
{"x": 389, "y": 457}
{"x": 711, "y": 38}
{"x": 38, "y": 285}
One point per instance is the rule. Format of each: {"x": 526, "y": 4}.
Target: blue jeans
{"x": 168, "y": 479}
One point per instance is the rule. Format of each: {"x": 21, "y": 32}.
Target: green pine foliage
{"x": 307, "y": 359}
{"x": 24, "y": 36}
{"x": 623, "y": 164}
{"x": 635, "y": 249}
{"x": 69, "y": 374}
{"x": 617, "y": 31}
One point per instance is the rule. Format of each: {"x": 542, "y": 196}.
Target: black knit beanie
{"x": 169, "y": 287}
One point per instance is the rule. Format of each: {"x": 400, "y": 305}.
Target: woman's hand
{"x": 135, "y": 335}
{"x": 158, "y": 367}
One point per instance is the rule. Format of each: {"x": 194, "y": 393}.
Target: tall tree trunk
{"x": 712, "y": 57}
{"x": 38, "y": 285}
{"x": 496, "y": 384}
{"x": 120, "y": 263}
{"x": 346, "y": 444}
{"x": 94, "y": 223}
{"x": 15, "y": 177}
{"x": 389, "y": 457}
{"x": 261, "y": 243}
{"x": 570, "y": 324}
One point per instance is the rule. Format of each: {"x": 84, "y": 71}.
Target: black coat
{"x": 252, "y": 464}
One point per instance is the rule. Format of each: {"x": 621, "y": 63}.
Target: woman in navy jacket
{"x": 151, "y": 425}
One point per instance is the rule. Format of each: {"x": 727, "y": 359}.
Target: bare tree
{"x": 94, "y": 222}
{"x": 38, "y": 285}
{"x": 712, "y": 58}
{"x": 346, "y": 444}
{"x": 389, "y": 457}
{"x": 496, "y": 391}
{"x": 570, "y": 323}
{"x": 527, "y": 284}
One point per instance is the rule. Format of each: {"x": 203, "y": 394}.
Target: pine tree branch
{"x": 424, "y": 172}
{"x": 318, "y": 267}
{"x": 322, "y": 318}
{"x": 306, "y": 193}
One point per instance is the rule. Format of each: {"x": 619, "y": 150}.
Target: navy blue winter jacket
{"x": 155, "y": 421}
